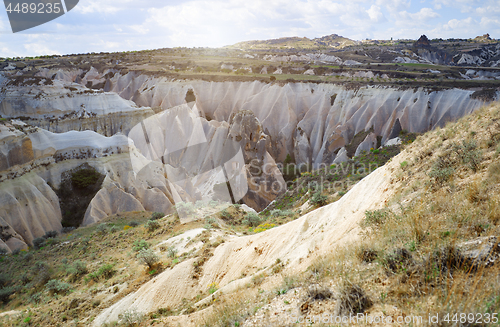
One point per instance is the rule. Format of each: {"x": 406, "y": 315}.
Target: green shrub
{"x": 55, "y": 286}
{"x": 281, "y": 213}
{"x": 6, "y": 292}
{"x": 28, "y": 256}
{"x": 148, "y": 257}
{"x": 225, "y": 214}
{"x": 106, "y": 271}
{"x": 36, "y": 298}
{"x": 39, "y": 242}
{"x": 152, "y": 225}
{"x": 3, "y": 251}
{"x": 102, "y": 229}
{"x": 172, "y": 252}
{"x": 275, "y": 212}
{"x": 4, "y": 280}
{"x": 469, "y": 154}
{"x": 50, "y": 234}
{"x": 157, "y": 215}
{"x": 140, "y": 245}
{"x": 131, "y": 317}
{"x": 318, "y": 199}
{"x": 375, "y": 217}
{"x": 51, "y": 241}
{"x": 252, "y": 219}
{"x": 77, "y": 269}
{"x": 85, "y": 177}
{"x": 41, "y": 271}
{"x": 442, "y": 170}
{"x": 185, "y": 208}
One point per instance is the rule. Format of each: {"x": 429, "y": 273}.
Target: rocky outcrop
{"x": 303, "y": 115}
{"x": 370, "y": 142}
{"x": 487, "y": 56}
{"x": 15, "y": 147}
{"x": 423, "y": 42}
{"x": 298, "y": 242}
{"x": 264, "y": 178}
{"x": 64, "y": 106}
{"x": 299, "y": 115}
{"x": 30, "y": 207}
{"x": 193, "y": 150}
{"x": 178, "y": 154}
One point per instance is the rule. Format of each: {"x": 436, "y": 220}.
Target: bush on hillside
{"x": 148, "y": 257}
{"x": 252, "y": 219}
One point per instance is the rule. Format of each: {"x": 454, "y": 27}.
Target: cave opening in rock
{"x": 78, "y": 187}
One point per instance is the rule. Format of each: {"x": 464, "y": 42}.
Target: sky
{"x": 124, "y": 25}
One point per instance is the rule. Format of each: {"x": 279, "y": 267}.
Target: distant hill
{"x": 295, "y": 42}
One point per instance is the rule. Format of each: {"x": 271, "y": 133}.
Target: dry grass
{"x": 411, "y": 256}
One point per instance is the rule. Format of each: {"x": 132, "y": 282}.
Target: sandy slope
{"x": 298, "y": 243}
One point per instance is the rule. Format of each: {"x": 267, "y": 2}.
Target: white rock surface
{"x": 394, "y": 141}
{"x": 297, "y": 242}
{"x": 341, "y": 156}
{"x": 30, "y": 207}
{"x": 283, "y": 109}
{"x": 65, "y": 106}
{"x": 370, "y": 142}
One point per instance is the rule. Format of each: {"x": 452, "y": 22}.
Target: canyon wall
{"x": 128, "y": 127}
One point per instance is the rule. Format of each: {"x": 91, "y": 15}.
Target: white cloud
{"x": 116, "y": 25}
{"x": 488, "y": 23}
{"x": 40, "y": 48}
{"x": 488, "y": 10}
{"x": 376, "y": 14}
{"x": 456, "y": 24}
{"x": 394, "y": 5}
{"x": 423, "y": 15}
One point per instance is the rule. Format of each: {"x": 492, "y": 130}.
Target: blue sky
{"x": 118, "y": 25}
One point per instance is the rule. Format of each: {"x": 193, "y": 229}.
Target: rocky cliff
{"x": 311, "y": 122}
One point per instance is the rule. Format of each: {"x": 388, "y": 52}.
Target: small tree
{"x": 318, "y": 199}
{"x": 252, "y": 219}
{"x": 152, "y": 225}
{"x": 148, "y": 257}
{"x": 55, "y": 286}
{"x": 156, "y": 215}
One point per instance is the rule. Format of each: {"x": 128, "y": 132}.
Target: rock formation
{"x": 423, "y": 42}
{"x": 107, "y": 129}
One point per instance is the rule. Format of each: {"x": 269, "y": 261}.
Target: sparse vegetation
{"x": 252, "y": 219}
{"x": 85, "y": 177}
{"x": 318, "y": 199}
{"x": 55, "y": 286}
{"x": 148, "y": 257}
{"x": 140, "y": 245}
{"x": 105, "y": 271}
{"x": 152, "y": 225}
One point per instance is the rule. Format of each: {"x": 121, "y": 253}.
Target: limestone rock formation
{"x": 370, "y": 142}
{"x": 283, "y": 109}
{"x": 311, "y": 122}
{"x": 30, "y": 207}
{"x": 64, "y": 105}
{"x": 423, "y": 41}
{"x": 318, "y": 231}
{"x": 341, "y": 156}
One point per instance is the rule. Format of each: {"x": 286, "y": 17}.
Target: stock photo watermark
{"x": 412, "y": 320}
{"x": 26, "y": 14}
